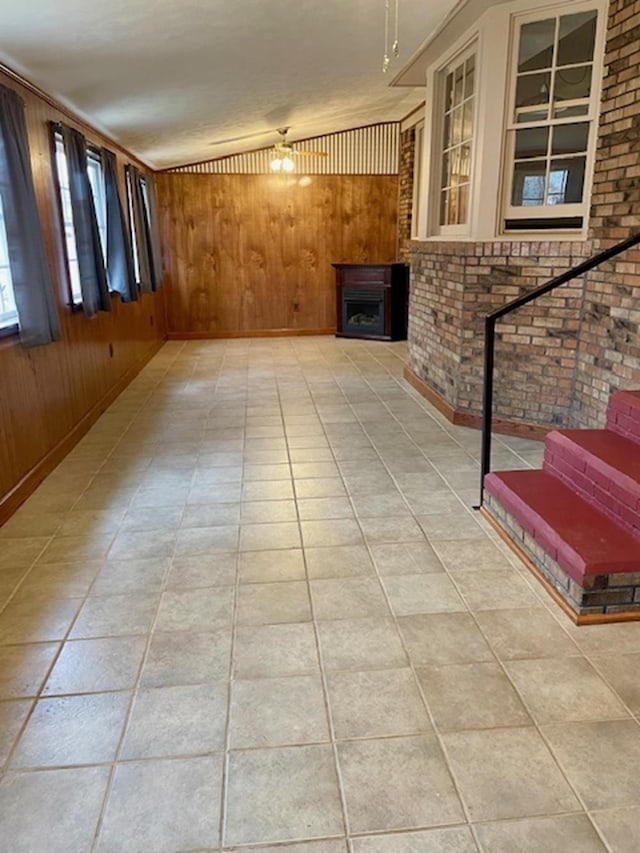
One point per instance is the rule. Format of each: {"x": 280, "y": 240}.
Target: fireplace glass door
{"x": 363, "y": 311}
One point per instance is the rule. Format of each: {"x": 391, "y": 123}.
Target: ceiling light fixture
{"x": 395, "y": 47}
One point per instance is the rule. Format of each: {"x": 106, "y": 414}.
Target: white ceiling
{"x": 166, "y": 78}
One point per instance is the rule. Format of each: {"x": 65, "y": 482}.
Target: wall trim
{"x": 25, "y": 487}
{"x": 463, "y": 417}
{"x": 248, "y": 333}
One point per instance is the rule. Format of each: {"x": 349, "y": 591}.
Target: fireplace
{"x": 371, "y": 301}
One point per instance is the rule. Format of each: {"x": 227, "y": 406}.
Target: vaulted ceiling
{"x": 173, "y": 81}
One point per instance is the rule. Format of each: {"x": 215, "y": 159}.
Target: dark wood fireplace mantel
{"x": 371, "y": 301}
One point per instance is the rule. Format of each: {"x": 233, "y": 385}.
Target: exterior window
{"x": 8, "y": 311}
{"x": 457, "y": 138}
{"x": 96, "y": 179}
{"x": 551, "y": 121}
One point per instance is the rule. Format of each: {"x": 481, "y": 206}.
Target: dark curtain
{"x": 120, "y": 272}
{"x": 38, "y": 319}
{"x": 145, "y": 219}
{"x": 93, "y": 278}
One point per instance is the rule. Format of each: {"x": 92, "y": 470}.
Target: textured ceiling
{"x": 167, "y": 78}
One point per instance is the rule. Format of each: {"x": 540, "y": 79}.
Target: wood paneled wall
{"x": 50, "y": 395}
{"x": 252, "y": 254}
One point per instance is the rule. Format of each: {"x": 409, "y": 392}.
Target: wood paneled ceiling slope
{"x": 167, "y": 79}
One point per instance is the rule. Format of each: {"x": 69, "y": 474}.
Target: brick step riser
{"x": 613, "y": 498}
{"x": 623, "y": 415}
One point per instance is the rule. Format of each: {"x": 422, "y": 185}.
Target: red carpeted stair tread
{"x": 576, "y": 534}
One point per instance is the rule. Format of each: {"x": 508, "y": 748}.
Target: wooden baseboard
{"x": 576, "y": 618}
{"x": 10, "y": 502}
{"x": 459, "y": 417}
{"x": 252, "y": 333}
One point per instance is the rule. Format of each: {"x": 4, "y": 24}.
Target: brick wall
{"x": 405, "y": 199}
{"x": 557, "y": 361}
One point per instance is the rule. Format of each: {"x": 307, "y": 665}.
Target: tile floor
{"x": 253, "y": 610}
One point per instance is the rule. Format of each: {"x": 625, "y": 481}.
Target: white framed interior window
{"x": 452, "y": 180}
{"x": 132, "y": 230}
{"x": 551, "y": 119}
{"x": 96, "y": 179}
{"x": 8, "y": 310}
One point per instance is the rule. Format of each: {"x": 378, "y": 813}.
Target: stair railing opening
{"x": 490, "y": 322}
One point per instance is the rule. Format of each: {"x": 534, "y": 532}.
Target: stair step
{"x": 573, "y": 532}
{"x": 623, "y": 414}
{"x": 602, "y": 466}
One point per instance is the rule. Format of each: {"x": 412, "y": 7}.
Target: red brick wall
{"x": 558, "y": 360}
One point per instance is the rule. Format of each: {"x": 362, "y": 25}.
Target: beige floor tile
{"x": 406, "y": 558}
{"x": 37, "y": 618}
{"x": 210, "y": 515}
{"x": 265, "y": 512}
{"x": 457, "y": 525}
{"x": 558, "y": 691}
{"x": 165, "y": 518}
{"x": 67, "y": 549}
{"x": 507, "y": 773}
{"x": 23, "y": 668}
{"x": 268, "y": 651}
{"x": 471, "y": 696}
{"x": 540, "y": 835}
{"x": 271, "y": 566}
{"x": 268, "y": 490}
{"x": 140, "y": 545}
{"x": 347, "y": 598}
{"x": 455, "y": 839}
{"x": 282, "y": 794}
{"x": 164, "y": 806}
{"x": 443, "y": 638}
{"x": 203, "y": 570}
{"x": 477, "y": 555}
{"x": 501, "y": 590}
{"x": 277, "y": 712}
{"x": 361, "y": 644}
{"x": 211, "y": 493}
{"x": 323, "y": 487}
{"x": 115, "y": 615}
{"x": 397, "y": 783}
{"x": 340, "y": 561}
{"x": 620, "y": 828}
{"x": 621, "y": 671}
{"x": 391, "y": 529}
{"x": 318, "y": 509}
{"x": 425, "y": 593}
{"x": 257, "y": 472}
{"x": 331, "y": 532}
{"x": 600, "y": 759}
{"x": 524, "y": 633}
{"x": 207, "y": 609}
{"x": 204, "y": 540}
{"x": 380, "y": 506}
{"x": 181, "y": 657}
{"x": 314, "y": 470}
{"x": 12, "y": 717}
{"x": 25, "y": 524}
{"x": 271, "y": 603}
{"x": 308, "y": 847}
{"x": 128, "y": 576}
{"x": 21, "y": 553}
{"x": 72, "y": 730}
{"x": 95, "y": 666}
{"x": 260, "y": 537}
{"x": 621, "y": 638}
{"x": 60, "y": 580}
{"x": 174, "y": 721}
{"x": 376, "y": 704}
{"x": 45, "y": 811}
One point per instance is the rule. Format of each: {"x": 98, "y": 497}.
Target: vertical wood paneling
{"x": 253, "y": 253}
{"x": 45, "y": 392}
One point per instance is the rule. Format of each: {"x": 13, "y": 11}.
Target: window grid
{"x": 8, "y": 310}
{"x": 549, "y": 148}
{"x": 457, "y": 137}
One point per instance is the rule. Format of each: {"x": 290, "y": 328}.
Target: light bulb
{"x": 276, "y": 164}
{"x": 287, "y": 164}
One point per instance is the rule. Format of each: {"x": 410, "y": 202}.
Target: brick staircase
{"x": 576, "y": 523}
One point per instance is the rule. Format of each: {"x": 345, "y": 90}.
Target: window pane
{"x": 571, "y": 112}
{"x": 467, "y": 121}
{"x": 577, "y": 38}
{"x": 533, "y": 142}
{"x": 469, "y": 76}
{"x": 528, "y": 184}
{"x": 452, "y": 214}
{"x": 572, "y": 84}
{"x": 532, "y": 115}
{"x": 570, "y": 138}
{"x": 8, "y": 311}
{"x": 532, "y": 89}
{"x": 458, "y": 84}
{"x": 463, "y": 203}
{"x": 67, "y": 219}
{"x": 536, "y": 45}
{"x": 446, "y": 170}
{"x": 444, "y": 207}
{"x": 457, "y": 126}
{"x": 96, "y": 179}
{"x": 448, "y": 92}
{"x": 566, "y": 181}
